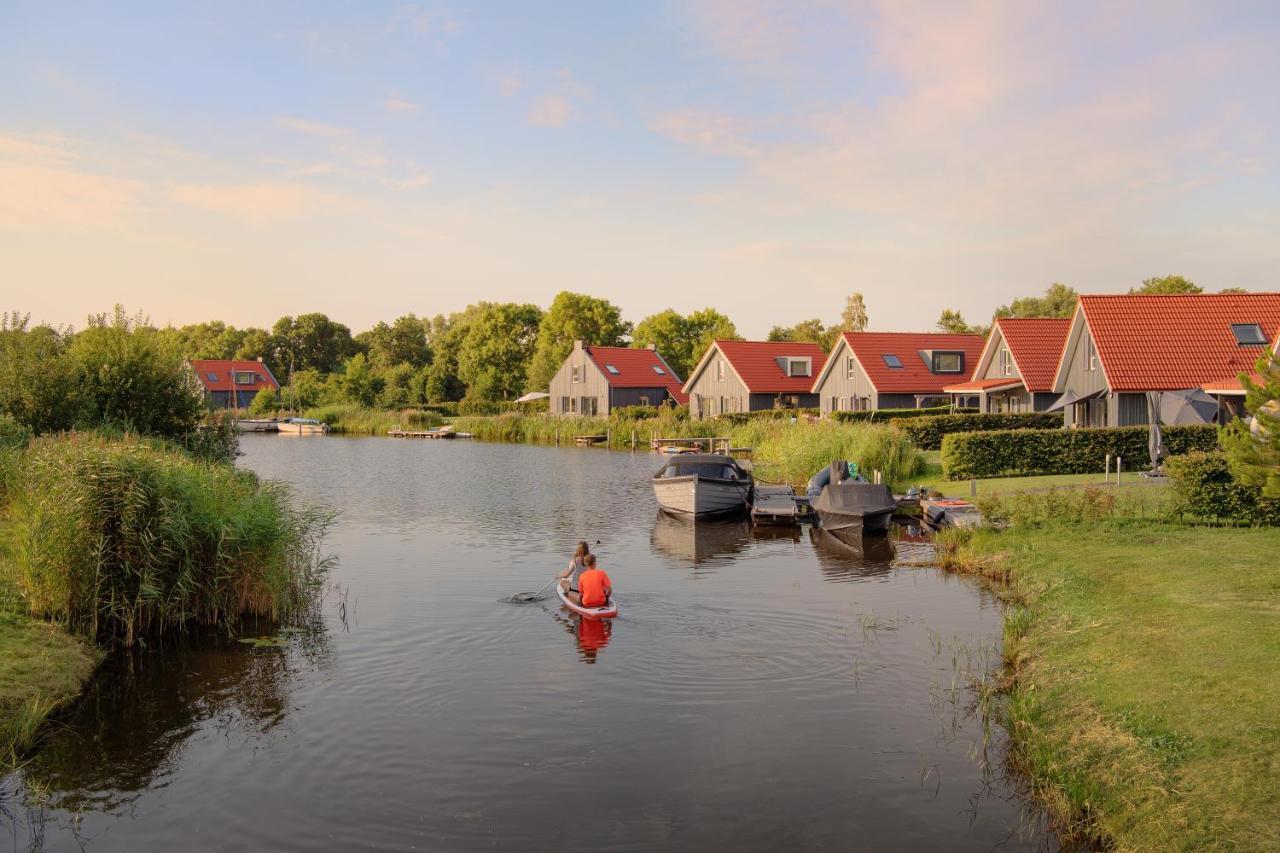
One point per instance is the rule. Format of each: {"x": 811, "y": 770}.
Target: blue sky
{"x": 367, "y": 160}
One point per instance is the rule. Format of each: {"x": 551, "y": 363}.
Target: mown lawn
{"x": 933, "y": 479}
{"x": 1146, "y": 705}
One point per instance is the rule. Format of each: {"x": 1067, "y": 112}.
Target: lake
{"x": 769, "y": 689}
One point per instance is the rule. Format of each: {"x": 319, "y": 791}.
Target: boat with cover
{"x": 605, "y": 611}
{"x": 699, "y": 485}
{"x": 302, "y": 426}
{"x": 845, "y": 501}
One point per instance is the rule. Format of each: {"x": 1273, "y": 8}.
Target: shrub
{"x": 482, "y": 407}
{"x": 927, "y": 432}
{"x": 264, "y": 404}
{"x": 351, "y": 419}
{"x": 1205, "y": 487}
{"x": 215, "y": 440}
{"x": 739, "y": 418}
{"x": 1030, "y": 452}
{"x": 123, "y": 538}
{"x": 1089, "y": 505}
{"x": 893, "y": 414}
{"x": 13, "y": 435}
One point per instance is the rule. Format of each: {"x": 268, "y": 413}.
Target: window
{"x": 213, "y": 377}
{"x": 246, "y": 377}
{"x": 892, "y": 361}
{"x": 948, "y": 362}
{"x": 613, "y": 370}
{"x": 1006, "y": 362}
{"x": 658, "y": 370}
{"x": 644, "y": 401}
{"x": 849, "y": 367}
{"x": 564, "y": 405}
{"x": 1248, "y": 334}
{"x": 720, "y": 370}
{"x": 588, "y": 407}
{"x": 577, "y": 373}
{"x": 1090, "y": 353}
{"x": 835, "y": 404}
{"x": 799, "y": 366}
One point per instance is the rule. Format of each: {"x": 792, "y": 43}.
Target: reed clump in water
{"x": 118, "y": 538}
{"x": 352, "y": 419}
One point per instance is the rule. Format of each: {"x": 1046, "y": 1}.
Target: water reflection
{"x": 591, "y": 635}
{"x": 851, "y": 556}
{"x": 698, "y": 542}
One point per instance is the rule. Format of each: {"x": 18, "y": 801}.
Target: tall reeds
{"x": 118, "y": 538}
{"x": 352, "y": 419}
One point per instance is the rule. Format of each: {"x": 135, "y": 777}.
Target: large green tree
{"x": 494, "y": 354}
{"x": 311, "y": 342}
{"x": 1167, "y": 284}
{"x": 681, "y": 339}
{"x": 854, "y": 316}
{"x": 1059, "y": 300}
{"x": 401, "y": 342}
{"x": 573, "y": 317}
{"x": 445, "y": 336}
{"x": 808, "y": 331}
{"x": 37, "y": 388}
{"x": 953, "y": 321}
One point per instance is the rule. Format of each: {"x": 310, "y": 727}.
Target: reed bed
{"x": 118, "y": 538}
{"x": 357, "y": 420}
{"x": 783, "y": 451}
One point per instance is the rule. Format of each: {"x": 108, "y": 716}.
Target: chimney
{"x": 577, "y": 345}
{"x": 653, "y": 347}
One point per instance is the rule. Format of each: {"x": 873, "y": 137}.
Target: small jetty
{"x": 719, "y": 444}
{"x": 588, "y": 440}
{"x": 441, "y": 432}
{"x": 779, "y": 504}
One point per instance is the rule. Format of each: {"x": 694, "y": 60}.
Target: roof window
{"x": 892, "y": 361}
{"x": 948, "y": 362}
{"x": 1248, "y": 334}
{"x": 611, "y": 369}
{"x": 799, "y": 366}
{"x": 213, "y": 377}
{"x": 658, "y": 370}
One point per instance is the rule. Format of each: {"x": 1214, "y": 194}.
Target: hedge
{"x": 1204, "y": 487}
{"x": 1032, "y": 452}
{"x": 890, "y": 414}
{"x": 927, "y": 432}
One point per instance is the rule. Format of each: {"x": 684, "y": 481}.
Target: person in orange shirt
{"x": 594, "y": 586}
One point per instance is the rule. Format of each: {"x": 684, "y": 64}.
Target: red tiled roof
{"x": 976, "y": 385}
{"x": 1231, "y": 385}
{"x": 1167, "y": 342}
{"x": 217, "y": 374}
{"x": 756, "y": 363}
{"x": 1036, "y": 345}
{"x": 635, "y": 366}
{"x": 915, "y": 376}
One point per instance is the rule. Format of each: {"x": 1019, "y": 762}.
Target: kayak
{"x": 607, "y": 611}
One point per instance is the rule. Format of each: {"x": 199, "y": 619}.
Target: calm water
{"x": 776, "y": 691}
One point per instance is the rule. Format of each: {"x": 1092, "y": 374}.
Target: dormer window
{"x": 799, "y": 366}
{"x": 948, "y": 362}
{"x": 893, "y": 361}
{"x": 612, "y": 370}
{"x": 1248, "y": 334}
{"x": 245, "y": 377}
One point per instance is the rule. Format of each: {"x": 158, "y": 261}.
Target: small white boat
{"x": 302, "y": 426}
{"x": 703, "y": 484}
{"x": 256, "y": 425}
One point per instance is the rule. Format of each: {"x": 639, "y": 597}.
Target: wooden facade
{"x": 717, "y": 388}
{"x": 582, "y": 387}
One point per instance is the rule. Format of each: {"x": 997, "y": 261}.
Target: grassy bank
{"x": 357, "y": 420}
{"x": 1145, "y": 658}
{"x": 783, "y": 451}
{"x": 932, "y": 478}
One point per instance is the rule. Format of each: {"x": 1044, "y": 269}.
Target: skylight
{"x": 1248, "y": 334}
{"x": 611, "y": 369}
{"x": 213, "y": 377}
{"x": 892, "y": 360}
{"x": 658, "y": 370}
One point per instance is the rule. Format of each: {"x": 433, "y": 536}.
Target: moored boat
{"x": 256, "y": 425}
{"x": 605, "y": 611}
{"x": 845, "y": 501}
{"x": 703, "y": 484}
{"x": 302, "y": 426}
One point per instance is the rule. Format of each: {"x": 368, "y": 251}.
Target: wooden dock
{"x": 779, "y": 504}
{"x": 950, "y": 512}
{"x": 422, "y": 433}
{"x": 588, "y": 440}
{"x": 704, "y": 444}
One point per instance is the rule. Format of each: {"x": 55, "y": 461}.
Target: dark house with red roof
{"x": 894, "y": 370}
{"x": 595, "y": 380}
{"x": 1120, "y": 347}
{"x": 232, "y": 384}
{"x": 748, "y": 376}
{"x": 1017, "y": 367}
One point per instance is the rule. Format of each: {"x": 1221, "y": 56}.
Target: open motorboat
{"x": 845, "y": 501}
{"x": 703, "y": 484}
{"x": 302, "y": 426}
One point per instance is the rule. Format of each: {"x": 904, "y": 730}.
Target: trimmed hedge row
{"x": 890, "y": 414}
{"x": 1204, "y": 487}
{"x": 927, "y": 432}
{"x": 1032, "y": 452}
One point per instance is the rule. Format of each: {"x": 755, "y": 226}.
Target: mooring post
{"x": 1106, "y": 477}
{"x": 633, "y": 439}
{"x": 1119, "y": 465}
{"x": 973, "y": 486}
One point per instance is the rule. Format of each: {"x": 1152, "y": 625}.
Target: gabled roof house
{"x": 1018, "y": 364}
{"x": 595, "y": 380}
{"x": 894, "y": 370}
{"x": 233, "y": 383}
{"x": 1120, "y": 347}
{"x": 748, "y": 376}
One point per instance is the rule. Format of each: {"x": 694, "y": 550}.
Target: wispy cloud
{"x": 310, "y": 127}
{"x": 400, "y": 105}
{"x": 420, "y": 20}
{"x": 560, "y": 103}
{"x": 714, "y": 133}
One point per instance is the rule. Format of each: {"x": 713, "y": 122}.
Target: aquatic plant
{"x": 352, "y": 419}
{"x": 117, "y": 538}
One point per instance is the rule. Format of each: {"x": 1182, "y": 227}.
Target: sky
{"x": 243, "y": 161}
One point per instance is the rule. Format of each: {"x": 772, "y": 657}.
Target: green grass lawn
{"x": 1146, "y": 704}
{"x": 933, "y": 479}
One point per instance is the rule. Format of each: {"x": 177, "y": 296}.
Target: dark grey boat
{"x": 848, "y": 503}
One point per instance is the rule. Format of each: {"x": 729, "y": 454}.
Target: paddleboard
{"x": 608, "y": 611}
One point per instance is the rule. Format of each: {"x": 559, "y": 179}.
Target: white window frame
{"x": 577, "y": 372}
{"x": 850, "y": 367}
{"x": 720, "y": 370}
{"x": 804, "y": 361}
{"x": 1090, "y": 353}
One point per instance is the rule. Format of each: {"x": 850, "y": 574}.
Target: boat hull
{"x": 302, "y": 429}
{"x": 701, "y": 497}
{"x": 608, "y": 611}
{"x": 855, "y": 506}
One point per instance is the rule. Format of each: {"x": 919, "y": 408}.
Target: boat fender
{"x": 818, "y": 482}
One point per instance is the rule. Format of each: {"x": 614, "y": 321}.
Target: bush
{"x": 118, "y": 539}
{"x": 482, "y": 407}
{"x": 894, "y": 414}
{"x": 350, "y": 419}
{"x": 1031, "y": 452}
{"x": 739, "y": 418}
{"x": 264, "y": 404}
{"x": 927, "y": 432}
{"x": 13, "y": 435}
{"x": 215, "y": 440}
{"x": 635, "y": 413}
{"x": 1205, "y": 487}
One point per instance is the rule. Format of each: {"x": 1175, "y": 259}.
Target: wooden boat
{"x": 607, "y": 611}
{"x": 302, "y": 426}
{"x": 845, "y": 501}
{"x": 256, "y": 425}
{"x": 703, "y": 484}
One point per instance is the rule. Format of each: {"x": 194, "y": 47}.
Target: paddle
{"x": 533, "y": 596}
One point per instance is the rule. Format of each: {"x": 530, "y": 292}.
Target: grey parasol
{"x": 1155, "y": 441}
{"x": 1192, "y": 406}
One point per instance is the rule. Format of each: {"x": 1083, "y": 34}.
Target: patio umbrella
{"x": 533, "y": 395}
{"x": 1062, "y": 402}
{"x": 1192, "y": 406}
{"x": 1155, "y": 442}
